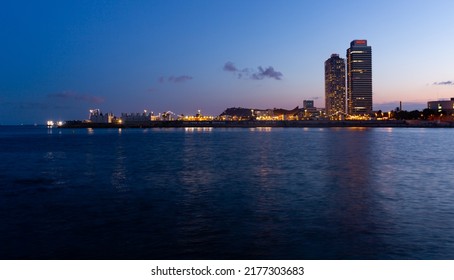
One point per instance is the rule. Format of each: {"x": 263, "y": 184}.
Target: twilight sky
{"x": 61, "y": 58}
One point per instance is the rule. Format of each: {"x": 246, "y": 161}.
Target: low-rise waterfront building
{"x": 260, "y": 114}
{"x": 96, "y": 116}
{"x": 307, "y": 104}
{"x": 440, "y": 106}
{"x": 134, "y": 118}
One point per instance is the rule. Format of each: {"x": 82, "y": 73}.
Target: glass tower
{"x": 359, "y": 78}
{"x": 335, "y": 87}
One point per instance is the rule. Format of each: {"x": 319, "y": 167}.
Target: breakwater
{"x": 253, "y": 123}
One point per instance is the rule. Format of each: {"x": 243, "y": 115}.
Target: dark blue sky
{"x": 61, "y": 58}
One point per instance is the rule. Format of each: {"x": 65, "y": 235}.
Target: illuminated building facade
{"x": 96, "y": 116}
{"x": 335, "y": 87}
{"x": 359, "y": 78}
{"x": 446, "y": 106}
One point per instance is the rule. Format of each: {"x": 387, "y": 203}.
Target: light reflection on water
{"x": 282, "y": 193}
{"x": 118, "y": 179}
{"x": 261, "y": 129}
{"x": 198, "y": 129}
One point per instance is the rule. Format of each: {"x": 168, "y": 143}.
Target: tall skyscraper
{"x": 359, "y": 78}
{"x": 335, "y": 87}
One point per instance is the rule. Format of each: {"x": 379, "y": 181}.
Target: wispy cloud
{"x": 249, "y": 73}
{"x": 71, "y": 95}
{"x": 445, "y": 83}
{"x": 179, "y": 79}
{"x": 241, "y": 73}
{"x": 230, "y": 67}
{"x": 175, "y": 79}
{"x": 267, "y": 73}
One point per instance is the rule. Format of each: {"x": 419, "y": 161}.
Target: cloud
{"x": 175, "y": 79}
{"x": 446, "y": 83}
{"x": 267, "y": 73}
{"x": 230, "y": 67}
{"x": 248, "y": 73}
{"x": 179, "y": 79}
{"x": 70, "y": 95}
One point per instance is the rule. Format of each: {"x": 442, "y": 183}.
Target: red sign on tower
{"x": 360, "y": 42}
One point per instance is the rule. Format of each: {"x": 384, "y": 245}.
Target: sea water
{"x": 226, "y": 193}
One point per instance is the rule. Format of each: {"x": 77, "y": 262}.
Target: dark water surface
{"x": 280, "y": 193}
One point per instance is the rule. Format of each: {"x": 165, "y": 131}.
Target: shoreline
{"x": 252, "y": 124}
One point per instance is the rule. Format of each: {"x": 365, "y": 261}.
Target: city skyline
{"x": 61, "y": 59}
